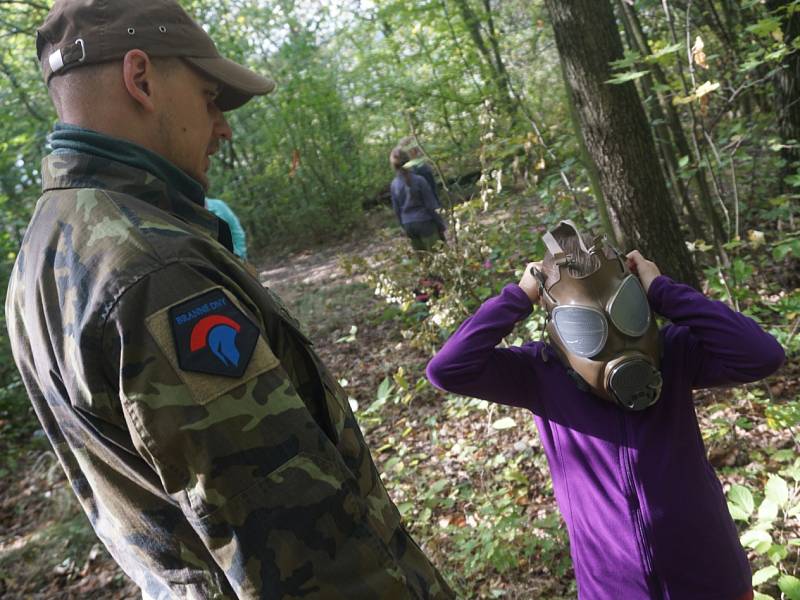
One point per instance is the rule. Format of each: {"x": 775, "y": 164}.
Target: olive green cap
{"x": 84, "y": 32}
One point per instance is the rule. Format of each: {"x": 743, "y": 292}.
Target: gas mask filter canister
{"x": 599, "y": 319}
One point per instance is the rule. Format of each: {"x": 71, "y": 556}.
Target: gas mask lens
{"x": 583, "y": 330}
{"x": 628, "y": 309}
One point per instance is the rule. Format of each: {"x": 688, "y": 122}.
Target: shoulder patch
{"x": 212, "y": 335}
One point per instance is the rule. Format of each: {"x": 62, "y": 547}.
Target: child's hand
{"x": 529, "y": 283}
{"x": 645, "y": 269}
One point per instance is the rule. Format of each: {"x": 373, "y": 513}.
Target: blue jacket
{"x": 224, "y": 212}
{"x": 414, "y": 203}
{"x": 424, "y": 170}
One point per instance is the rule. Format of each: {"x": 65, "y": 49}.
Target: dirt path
{"x": 292, "y": 274}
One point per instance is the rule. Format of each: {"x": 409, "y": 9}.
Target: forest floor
{"x": 476, "y": 496}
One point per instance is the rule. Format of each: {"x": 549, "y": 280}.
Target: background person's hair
{"x": 398, "y": 158}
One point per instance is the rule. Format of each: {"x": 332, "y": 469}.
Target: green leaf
{"x": 626, "y": 77}
{"x": 737, "y": 513}
{"x": 405, "y": 507}
{"x": 765, "y": 574}
{"x": 768, "y": 511}
{"x": 706, "y": 88}
{"x": 384, "y": 388}
{"x": 672, "y": 48}
{"x": 765, "y": 27}
{"x": 760, "y": 596}
{"x": 504, "y": 423}
{"x": 785, "y": 455}
{"x": 790, "y": 586}
{"x": 777, "y": 490}
{"x": 439, "y": 486}
{"x": 758, "y": 540}
{"x": 743, "y": 498}
{"x": 777, "y": 553}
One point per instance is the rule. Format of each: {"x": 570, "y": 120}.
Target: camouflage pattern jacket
{"x": 213, "y": 453}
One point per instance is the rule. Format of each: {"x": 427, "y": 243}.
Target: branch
{"x": 23, "y": 96}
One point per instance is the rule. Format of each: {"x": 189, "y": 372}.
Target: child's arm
{"x": 471, "y": 365}
{"x": 722, "y": 346}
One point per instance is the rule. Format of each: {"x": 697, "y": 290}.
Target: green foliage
{"x": 768, "y": 531}
{"x": 306, "y": 161}
{"x": 24, "y": 123}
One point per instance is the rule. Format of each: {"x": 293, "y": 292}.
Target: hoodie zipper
{"x": 629, "y": 479}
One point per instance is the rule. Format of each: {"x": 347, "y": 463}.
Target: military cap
{"x": 84, "y": 32}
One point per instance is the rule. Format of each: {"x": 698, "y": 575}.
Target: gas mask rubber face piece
{"x": 600, "y": 321}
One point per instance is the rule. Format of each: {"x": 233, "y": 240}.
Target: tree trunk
{"x": 787, "y": 88}
{"x": 611, "y": 228}
{"x": 618, "y": 136}
{"x": 655, "y": 102}
{"x": 676, "y": 129}
{"x": 496, "y": 72}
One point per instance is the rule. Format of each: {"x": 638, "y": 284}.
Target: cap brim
{"x": 239, "y": 83}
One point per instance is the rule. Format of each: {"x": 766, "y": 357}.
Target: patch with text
{"x": 212, "y": 335}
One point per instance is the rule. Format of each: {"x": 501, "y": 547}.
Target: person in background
{"x": 422, "y": 168}
{"x": 414, "y": 204}
{"x": 224, "y": 212}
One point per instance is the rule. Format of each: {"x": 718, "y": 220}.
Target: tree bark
{"x": 787, "y": 88}
{"x": 618, "y": 136}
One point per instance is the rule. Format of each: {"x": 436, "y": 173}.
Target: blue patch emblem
{"x": 212, "y": 335}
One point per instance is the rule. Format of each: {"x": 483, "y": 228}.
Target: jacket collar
{"x": 74, "y": 169}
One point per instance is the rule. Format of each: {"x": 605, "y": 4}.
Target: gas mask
{"x": 600, "y": 322}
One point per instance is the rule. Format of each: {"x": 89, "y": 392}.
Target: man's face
{"x": 191, "y": 124}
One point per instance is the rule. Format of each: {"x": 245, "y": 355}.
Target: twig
{"x": 793, "y": 331}
{"x": 733, "y": 301}
{"x": 735, "y": 187}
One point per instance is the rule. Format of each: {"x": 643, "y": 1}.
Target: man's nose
{"x": 221, "y": 127}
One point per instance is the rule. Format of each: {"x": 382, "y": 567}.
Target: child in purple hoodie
{"x": 645, "y": 512}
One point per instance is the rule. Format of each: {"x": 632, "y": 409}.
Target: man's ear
{"x": 138, "y": 75}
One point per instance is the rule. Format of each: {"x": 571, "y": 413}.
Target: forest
{"x": 669, "y": 126}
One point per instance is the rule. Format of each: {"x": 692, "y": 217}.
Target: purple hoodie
{"x": 646, "y": 515}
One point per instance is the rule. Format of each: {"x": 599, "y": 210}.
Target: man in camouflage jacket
{"x": 214, "y": 454}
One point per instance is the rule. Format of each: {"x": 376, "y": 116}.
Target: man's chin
{"x": 202, "y": 179}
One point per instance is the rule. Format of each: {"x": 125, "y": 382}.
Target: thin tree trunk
{"x": 611, "y": 227}
{"x": 495, "y": 71}
{"x": 675, "y": 127}
{"x": 787, "y": 89}
{"x": 617, "y": 134}
{"x": 655, "y": 102}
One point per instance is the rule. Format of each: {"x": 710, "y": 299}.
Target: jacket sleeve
{"x": 256, "y": 476}
{"x": 720, "y": 346}
{"x": 396, "y": 202}
{"x": 470, "y": 364}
